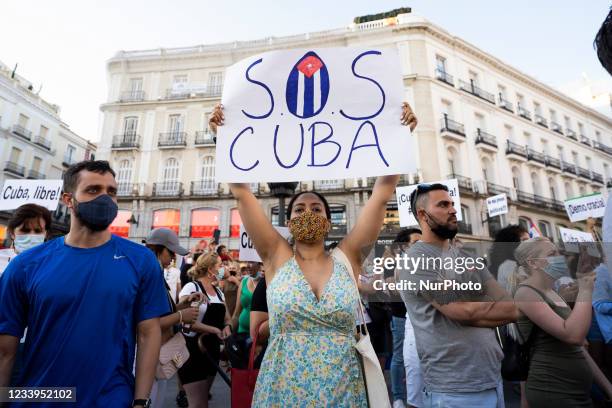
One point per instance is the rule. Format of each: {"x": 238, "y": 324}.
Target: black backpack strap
{"x": 201, "y": 288}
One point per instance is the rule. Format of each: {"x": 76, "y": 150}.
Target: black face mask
{"x": 442, "y": 231}
{"x": 98, "y": 213}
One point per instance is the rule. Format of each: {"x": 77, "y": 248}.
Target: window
{"x": 553, "y": 115}
{"x": 606, "y": 171}
{"x": 589, "y": 164}
{"x": 544, "y": 228}
{"x": 167, "y": 218}
{"x": 520, "y": 100}
{"x": 391, "y": 220}
{"x": 535, "y": 185}
{"x": 130, "y": 126}
{"x": 440, "y": 63}
{"x": 502, "y": 92}
{"x": 525, "y": 223}
{"x": 135, "y": 85}
{"x": 569, "y": 191}
{"x": 582, "y": 190}
{"x": 207, "y": 174}
{"x": 568, "y": 122}
{"x": 235, "y": 222}
{"x": 215, "y": 82}
{"x": 124, "y": 177}
{"x": 179, "y": 80}
{"x": 36, "y": 163}
{"x": 15, "y": 155}
{"x": 447, "y": 109}
{"x": 581, "y": 129}
{"x": 516, "y": 178}
{"x": 23, "y": 121}
{"x": 70, "y": 153}
{"x": 473, "y": 77}
{"x": 175, "y": 124}
{"x": 44, "y": 131}
{"x": 560, "y": 152}
{"x": 575, "y": 158}
{"x": 509, "y": 133}
{"x": 528, "y": 140}
{"x": 480, "y": 122}
{"x": 552, "y": 188}
{"x": 544, "y": 143}
{"x": 598, "y": 136}
{"x": 120, "y": 226}
{"x": 487, "y": 170}
{"x": 329, "y": 184}
{"x": 454, "y": 166}
{"x": 204, "y": 222}
{"x": 338, "y": 219}
{"x": 537, "y": 108}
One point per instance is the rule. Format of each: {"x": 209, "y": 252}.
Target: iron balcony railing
{"x": 505, "y": 104}
{"x": 555, "y": 127}
{"x": 464, "y": 228}
{"x": 465, "y": 183}
{"x": 602, "y": 147}
{"x": 14, "y": 168}
{"x": 330, "y": 185}
{"x": 34, "y": 174}
{"x": 206, "y": 187}
{"x": 168, "y": 189}
{"x": 126, "y": 141}
{"x": 541, "y": 120}
{"x": 125, "y": 189}
{"x": 449, "y": 125}
{"x": 540, "y": 201}
{"x": 68, "y": 160}
{"x": 132, "y": 96}
{"x": 204, "y": 137}
{"x": 485, "y": 138}
{"x": 585, "y": 140}
{"x": 568, "y": 167}
{"x": 470, "y": 87}
{"x": 535, "y": 156}
{"x": 444, "y": 77}
{"x": 513, "y": 148}
{"x": 522, "y": 112}
{"x": 552, "y": 162}
{"x": 597, "y": 177}
{"x": 494, "y": 189}
{"x": 571, "y": 134}
{"x": 167, "y": 139}
{"x": 23, "y": 132}
{"x": 584, "y": 173}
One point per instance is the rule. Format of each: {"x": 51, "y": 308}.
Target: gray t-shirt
{"x": 454, "y": 357}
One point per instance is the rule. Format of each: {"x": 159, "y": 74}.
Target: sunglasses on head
{"x": 420, "y": 189}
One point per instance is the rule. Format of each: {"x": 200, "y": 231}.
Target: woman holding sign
{"x": 311, "y": 358}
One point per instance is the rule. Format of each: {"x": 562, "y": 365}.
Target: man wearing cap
{"x": 86, "y": 298}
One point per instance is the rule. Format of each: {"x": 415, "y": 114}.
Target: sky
{"x": 64, "y": 45}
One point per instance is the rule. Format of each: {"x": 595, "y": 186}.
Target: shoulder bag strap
{"x": 338, "y": 254}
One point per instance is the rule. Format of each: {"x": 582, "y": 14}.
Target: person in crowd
{"x": 310, "y": 358}
{"x": 164, "y": 243}
{"x": 452, "y": 319}
{"x": 28, "y": 227}
{"x": 212, "y": 325}
{"x": 230, "y": 286}
{"x": 259, "y": 321}
{"x": 241, "y": 316}
{"x": 224, "y": 253}
{"x": 172, "y": 275}
{"x": 561, "y": 372}
{"x": 501, "y": 256}
{"x": 85, "y": 298}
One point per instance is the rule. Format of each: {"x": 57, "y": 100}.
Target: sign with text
{"x": 497, "y": 205}
{"x": 297, "y": 115}
{"x": 403, "y": 201}
{"x": 45, "y": 193}
{"x": 572, "y": 238}
{"x": 581, "y": 208}
{"x": 247, "y": 249}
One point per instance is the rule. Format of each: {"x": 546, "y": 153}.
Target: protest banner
{"x": 403, "y": 201}
{"x": 572, "y": 238}
{"x": 581, "y": 208}
{"x": 497, "y": 205}
{"x": 247, "y": 249}
{"x": 45, "y": 193}
{"x": 328, "y": 113}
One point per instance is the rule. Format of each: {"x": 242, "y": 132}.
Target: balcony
{"x": 494, "y": 189}
{"x": 330, "y": 185}
{"x": 555, "y": 127}
{"x": 486, "y": 140}
{"x": 585, "y": 140}
{"x": 596, "y": 177}
{"x": 541, "y": 120}
{"x": 536, "y": 157}
{"x": 132, "y": 96}
{"x": 505, "y": 104}
{"x": 14, "y": 169}
{"x": 36, "y": 175}
{"x": 68, "y": 160}
{"x": 445, "y": 77}
{"x": 464, "y": 228}
{"x": 177, "y": 94}
{"x": 552, "y": 163}
{"x": 204, "y": 188}
{"x": 21, "y": 131}
{"x": 522, "y": 112}
{"x": 125, "y": 189}
{"x": 126, "y": 141}
{"x": 568, "y": 168}
{"x": 571, "y": 134}
{"x": 540, "y": 201}
{"x": 168, "y": 189}
{"x": 204, "y": 138}
{"x": 516, "y": 152}
{"x": 209, "y": 92}
{"x": 42, "y": 142}
{"x": 470, "y": 88}
{"x": 452, "y": 130}
{"x": 602, "y": 147}
{"x": 582, "y": 172}
{"x": 172, "y": 139}
{"x": 465, "y": 183}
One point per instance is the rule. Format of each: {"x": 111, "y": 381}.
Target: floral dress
{"x": 311, "y": 360}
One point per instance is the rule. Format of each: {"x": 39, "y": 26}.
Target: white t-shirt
{"x": 172, "y": 276}
{"x": 192, "y": 287}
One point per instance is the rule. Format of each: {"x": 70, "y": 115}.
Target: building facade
{"x": 494, "y": 128}
{"x": 34, "y": 142}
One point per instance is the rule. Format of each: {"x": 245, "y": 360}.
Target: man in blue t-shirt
{"x": 85, "y": 299}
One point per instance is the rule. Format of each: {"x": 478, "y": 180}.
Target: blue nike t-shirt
{"x": 81, "y": 308}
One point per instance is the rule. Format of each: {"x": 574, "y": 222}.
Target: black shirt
{"x": 258, "y": 302}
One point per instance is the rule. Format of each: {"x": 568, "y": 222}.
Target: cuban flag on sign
{"x": 307, "y": 86}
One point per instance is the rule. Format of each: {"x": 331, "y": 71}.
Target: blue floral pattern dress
{"x": 311, "y": 360}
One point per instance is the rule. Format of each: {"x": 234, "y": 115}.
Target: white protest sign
{"x": 314, "y": 114}
{"x": 570, "y": 235}
{"x": 497, "y": 205}
{"x": 403, "y": 201}
{"x": 247, "y": 249}
{"x": 581, "y": 208}
{"x": 45, "y": 193}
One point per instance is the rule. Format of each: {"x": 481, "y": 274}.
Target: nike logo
{"x": 119, "y": 257}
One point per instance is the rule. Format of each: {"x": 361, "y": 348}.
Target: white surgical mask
{"x": 27, "y": 241}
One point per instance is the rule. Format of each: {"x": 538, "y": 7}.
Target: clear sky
{"x": 64, "y": 45}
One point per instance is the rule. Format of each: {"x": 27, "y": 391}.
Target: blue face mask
{"x": 220, "y": 273}
{"x": 27, "y": 241}
{"x": 557, "y": 267}
{"x": 98, "y": 213}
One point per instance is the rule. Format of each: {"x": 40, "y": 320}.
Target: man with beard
{"x": 85, "y": 298}
{"x": 460, "y": 357}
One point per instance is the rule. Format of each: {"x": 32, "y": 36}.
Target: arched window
{"x": 204, "y": 222}
{"x": 120, "y": 225}
{"x": 124, "y": 177}
{"x": 167, "y": 218}
{"x": 544, "y": 227}
{"x": 235, "y": 222}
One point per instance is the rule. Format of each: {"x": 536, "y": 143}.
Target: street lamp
{"x": 282, "y": 190}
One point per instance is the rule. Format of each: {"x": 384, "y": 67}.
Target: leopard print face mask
{"x": 309, "y": 227}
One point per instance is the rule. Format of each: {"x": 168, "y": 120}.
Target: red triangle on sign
{"x": 309, "y": 65}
